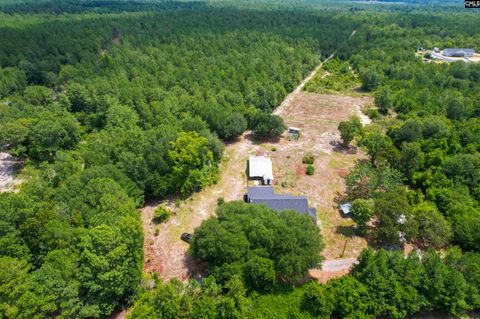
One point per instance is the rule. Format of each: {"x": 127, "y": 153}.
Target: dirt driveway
{"x": 165, "y": 253}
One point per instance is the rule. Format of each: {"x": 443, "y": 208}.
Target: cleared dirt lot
{"x": 317, "y": 116}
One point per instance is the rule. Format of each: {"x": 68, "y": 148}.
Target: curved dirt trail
{"x": 289, "y": 98}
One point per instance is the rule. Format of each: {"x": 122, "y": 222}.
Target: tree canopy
{"x": 249, "y": 241}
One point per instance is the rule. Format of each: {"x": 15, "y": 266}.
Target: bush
{"x": 349, "y": 129}
{"x": 361, "y": 213}
{"x": 161, "y": 214}
{"x": 372, "y": 113}
{"x": 310, "y": 170}
{"x": 308, "y": 159}
{"x": 220, "y": 201}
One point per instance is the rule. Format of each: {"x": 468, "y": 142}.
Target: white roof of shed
{"x": 260, "y": 166}
{"x": 346, "y": 208}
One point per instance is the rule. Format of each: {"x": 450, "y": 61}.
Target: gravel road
{"x": 338, "y": 264}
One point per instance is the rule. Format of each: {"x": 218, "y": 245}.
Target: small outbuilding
{"x": 293, "y": 133}
{"x": 260, "y": 168}
{"x": 293, "y": 130}
{"x": 345, "y": 208}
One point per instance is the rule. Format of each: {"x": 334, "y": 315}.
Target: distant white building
{"x": 260, "y": 168}
{"x": 459, "y": 53}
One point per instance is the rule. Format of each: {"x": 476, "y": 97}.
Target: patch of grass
{"x": 161, "y": 214}
{"x": 308, "y": 159}
{"x": 290, "y": 178}
{"x": 339, "y": 161}
{"x": 182, "y": 218}
{"x": 335, "y": 76}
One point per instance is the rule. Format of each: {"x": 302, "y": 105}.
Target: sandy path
{"x": 288, "y": 100}
{"x": 7, "y": 172}
{"x": 338, "y": 264}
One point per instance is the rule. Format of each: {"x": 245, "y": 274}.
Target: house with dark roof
{"x": 266, "y": 195}
{"x": 459, "y": 53}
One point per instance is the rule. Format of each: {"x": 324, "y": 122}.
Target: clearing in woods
{"x": 317, "y": 116}
{"x": 8, "y": 178}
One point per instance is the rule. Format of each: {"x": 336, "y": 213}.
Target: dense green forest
{"x": 109, "y": 104}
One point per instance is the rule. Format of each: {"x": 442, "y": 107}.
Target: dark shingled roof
{"x": 260, "y": 192}
{"x": 266, "y": 195}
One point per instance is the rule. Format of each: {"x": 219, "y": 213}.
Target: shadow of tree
{"x": 339, "y": 147}
{"x": 257, "y": 141}
{"x": 347, "y": 231}
{"x": 197, "y": 269}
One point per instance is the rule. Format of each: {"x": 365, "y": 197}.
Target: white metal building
{"x": 260, "y": 167}
{"x": 459, "y": 53}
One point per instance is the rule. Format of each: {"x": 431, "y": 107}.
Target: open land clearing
{"x": 317, "y": 116}
{"x": 8, "y": 179}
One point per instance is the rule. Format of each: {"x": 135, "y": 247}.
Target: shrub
{"x": 372, "y": 113}
{"x": 308, "y": 159}
{"x": 310, "y": 170}
{"x": 361, "y": 213}
{"x": 161, "y": 214}
{"x": 349, "y": 129}
{"x": 220, "y": 201}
